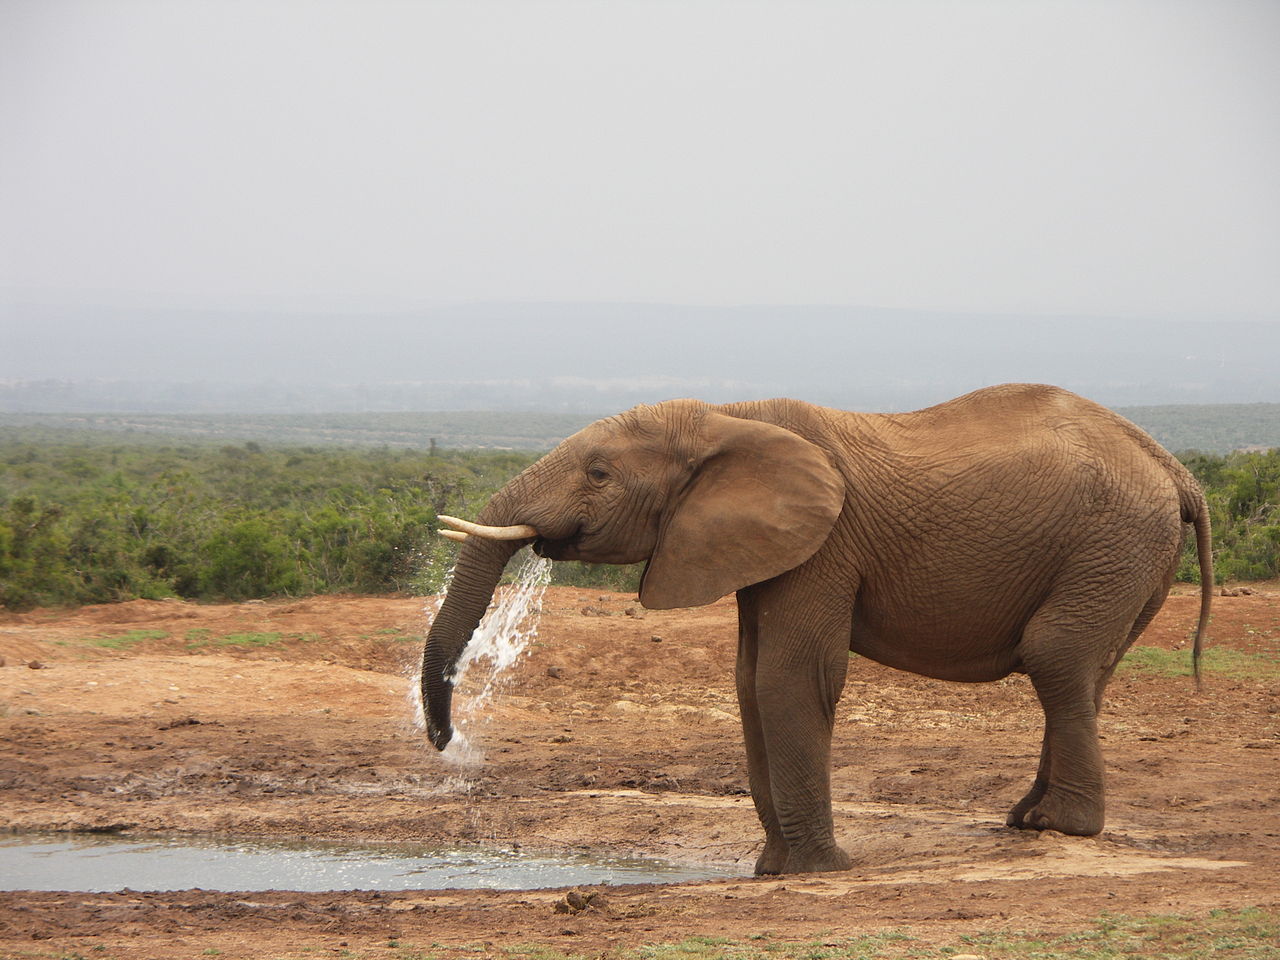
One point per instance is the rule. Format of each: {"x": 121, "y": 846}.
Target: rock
{"x": 181, "y": 722}
{"x": 575, "y": 901}
{"x": 36, "y": 665}
{"x": 637, "y": 612}
{"x": 555, "y": 673}
{"x": 590, "y": 611}
{"x": 656, "y": 639}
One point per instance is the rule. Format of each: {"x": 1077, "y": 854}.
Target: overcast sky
{"x": 1105, "y": 158}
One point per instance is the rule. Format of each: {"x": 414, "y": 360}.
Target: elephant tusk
{"x": 521, "y": 531}
{"x": 457, "y": 535}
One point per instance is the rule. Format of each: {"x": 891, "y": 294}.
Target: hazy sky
{"x": 1108, "y": 157}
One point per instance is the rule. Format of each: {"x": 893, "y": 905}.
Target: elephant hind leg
{"x": 1018, "y": 815}
{"x": 1068, "y": 794}
{"x": 1069, "y": 658}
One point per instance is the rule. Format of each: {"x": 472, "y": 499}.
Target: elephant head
{"x": 714, "y": 502}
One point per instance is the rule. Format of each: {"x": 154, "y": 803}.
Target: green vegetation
{"x": 96, "y": 520}
{"x": 1243, "y": 491}
{"x": 1219, "y": 661}
{"x": 125, "y": 640}
{"x": 200, "y": 639}
{"x": 251, "y": 639}
{"x": 1251, "y": 934}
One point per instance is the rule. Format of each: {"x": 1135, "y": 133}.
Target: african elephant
{"x": 1017, "y": 529}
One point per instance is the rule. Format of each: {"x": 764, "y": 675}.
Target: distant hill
{"x": 460, "y": 429}
{"x": 1214, "y": 428}
{"x": 588, "y": 358}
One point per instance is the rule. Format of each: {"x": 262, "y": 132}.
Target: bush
{"x": 1243, "y": 493}
{"x": 92, "y": 522}
{"x": 97, "y": 521}
{"x": 248, "y": 560}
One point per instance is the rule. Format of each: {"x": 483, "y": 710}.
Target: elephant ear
{"x": 761, "y": 500}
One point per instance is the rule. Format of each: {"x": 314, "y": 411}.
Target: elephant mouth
{"x": 560, "y": 548}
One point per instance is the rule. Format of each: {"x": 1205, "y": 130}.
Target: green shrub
{"x": 1243, "y": 493}
{"x": 92, "y": 521}
{"x": 248, "y": 560}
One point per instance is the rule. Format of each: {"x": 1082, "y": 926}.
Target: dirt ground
{"x": 617, "y": 732}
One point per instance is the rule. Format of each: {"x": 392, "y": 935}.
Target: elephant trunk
{"x": 480, "y": 565}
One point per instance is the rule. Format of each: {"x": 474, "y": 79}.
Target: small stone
{"x": 575, "y": 901}
{"x": 656, "y": 639}
{"x": 35, "y": 665}
{"x": 590, "y": 611}
{"x": 555, "y": 673}
{"x": 636, "y": 612}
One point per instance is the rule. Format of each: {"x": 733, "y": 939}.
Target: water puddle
{"x": 94, "y": 863}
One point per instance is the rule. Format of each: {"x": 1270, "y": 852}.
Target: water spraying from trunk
{"x": 498, "y": 643}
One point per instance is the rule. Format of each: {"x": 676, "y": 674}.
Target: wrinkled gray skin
{"x": 1018, "y": 529}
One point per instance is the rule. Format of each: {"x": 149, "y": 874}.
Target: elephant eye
{"x": 598, "y": 474}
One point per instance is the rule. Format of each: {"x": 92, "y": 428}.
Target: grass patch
{"x": 125, "y": 640}
{"x": 1216, "y": 661}
{"x": 1248, "y": 934}
{"x": 1251, "y": 934}
{"x": 250, "y": 639}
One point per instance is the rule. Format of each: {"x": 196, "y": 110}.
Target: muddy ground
{"x": 619, "y": 733}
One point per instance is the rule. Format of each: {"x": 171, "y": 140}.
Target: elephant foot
{"x": 820, "y": 860}
{"x": 1074, "y": 814}
{"x": 1018, "y": 815}
{"x": 773, "y": 858}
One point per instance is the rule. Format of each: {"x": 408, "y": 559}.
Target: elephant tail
{"x": 1196, "y": 512}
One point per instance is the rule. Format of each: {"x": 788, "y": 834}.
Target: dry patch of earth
{"x": 290, "y": 720}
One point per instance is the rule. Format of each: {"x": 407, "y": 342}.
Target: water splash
{"x": 499, "y": 642}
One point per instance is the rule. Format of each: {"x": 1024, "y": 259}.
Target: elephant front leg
{"x": 774, "y": 856}
{"x": 799, "y": 675}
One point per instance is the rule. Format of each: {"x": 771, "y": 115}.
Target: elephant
{"x": 1017, "y": 529}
